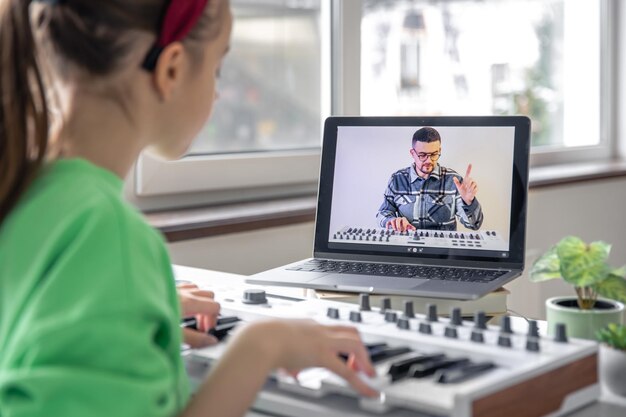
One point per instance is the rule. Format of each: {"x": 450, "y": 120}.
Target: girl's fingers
{"x": 346, "y": 339}
{"x": 206, "y": 323}
{"x": 199, "y": 305}
{"x": 292, "y": 373}
{"x": 336, "y": 365}
{"x": 342, "y": 329}
{"x": 198, "y": 339}
{"x": 212, "y": 321}
{"x": 203, "y": 323}
{"x": 354, "y": 347}
{"x": 204, "y": 293}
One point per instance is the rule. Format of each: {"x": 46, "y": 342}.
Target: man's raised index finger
{"x": 469, "y": 170}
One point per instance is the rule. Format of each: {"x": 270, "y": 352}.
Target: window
{"x": 540, "y": 58}
{"x": 549, "y": 59}
{"x": 273, "y": 93}
{"x": 270, "y": 81}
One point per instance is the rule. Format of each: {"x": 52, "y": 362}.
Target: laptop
{"x": 420, "y": 206}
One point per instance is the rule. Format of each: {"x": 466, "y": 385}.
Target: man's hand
{"x": 198, "y": 303}
{"x": 468, "y": 188}
{"x": 399, "y": 224}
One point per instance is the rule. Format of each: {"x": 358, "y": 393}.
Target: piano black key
{"x": 223, "y": 327}
{"x": 399, "y": 369}
{"x": 375, "y": 346}
{"x": 189, "y": 323}
{"x": 462, "y": 373}
{"x": 227, "y": 320}
{"x": 371, "y": 347}
{"x": 382, "y": 354}
{"x": 424, "y": 369}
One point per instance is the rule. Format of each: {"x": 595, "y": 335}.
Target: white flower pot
{"x": 612, "y": 368}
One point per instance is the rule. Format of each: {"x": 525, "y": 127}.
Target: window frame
{"x": 209, "y": 179}
{"x": 606, "y": 148}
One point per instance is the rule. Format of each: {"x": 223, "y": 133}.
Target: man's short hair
{"x": 427, "y": 135}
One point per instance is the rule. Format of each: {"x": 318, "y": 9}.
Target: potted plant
{"x": 612, "y": 362}
{"x": 586, "y": 267}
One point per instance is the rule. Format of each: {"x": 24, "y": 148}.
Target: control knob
{"x": 532, "y": 340}
{"x": 364, "y": 302}
{"x": 479, "y": 326}
{"x": 254, "y": 297}
{"x": 391, "y": 316}
{"x": 355, "y": 316}
{"x": 403, "y": 323}
{"x": 431, "y": 313}
{"x": 385, "y": 305}
{"x": 455, "y": 315}
{"x": 409, "y": 310}
{"x": 561, "y": 333}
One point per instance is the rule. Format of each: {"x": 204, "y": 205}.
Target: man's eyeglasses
{"x": 433, "y": 156}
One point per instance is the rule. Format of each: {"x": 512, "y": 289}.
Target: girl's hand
{"x": 198, "y": 303}
{"x": 261, "y": 347}
{"x": 297, "y": 344}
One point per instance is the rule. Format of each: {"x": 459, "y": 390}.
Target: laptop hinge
{"x": 418, "y": 261}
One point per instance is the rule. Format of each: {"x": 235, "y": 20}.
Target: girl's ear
{"x": 169, "y": 70}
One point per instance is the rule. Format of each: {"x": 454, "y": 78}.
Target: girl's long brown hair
{"x": 83, "y": 40}
{"x": 23, "y": 110}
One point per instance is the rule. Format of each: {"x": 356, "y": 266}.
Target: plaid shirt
{"x": 431, "y": 203}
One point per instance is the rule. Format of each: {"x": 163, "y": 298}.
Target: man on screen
{"x": 427, "y": 195}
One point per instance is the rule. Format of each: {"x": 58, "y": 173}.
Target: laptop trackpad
{"x": 368, "y": 281}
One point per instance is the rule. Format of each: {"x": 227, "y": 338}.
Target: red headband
{"x": 179, "y": 18}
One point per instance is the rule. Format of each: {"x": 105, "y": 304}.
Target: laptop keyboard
{"x": 400, "y": 270}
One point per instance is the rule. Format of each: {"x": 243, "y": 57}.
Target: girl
{"x": 89, "y": 314}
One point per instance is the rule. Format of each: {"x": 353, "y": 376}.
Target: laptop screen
{"x": 425, "y": 189}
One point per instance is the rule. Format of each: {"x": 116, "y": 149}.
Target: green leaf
{"x": 546, "y": 267}
{"x": 583, "y": 265}
{"x": 613, "y": 287}
{"x": 613, "y": 335}
{"x": 620, "y": 272}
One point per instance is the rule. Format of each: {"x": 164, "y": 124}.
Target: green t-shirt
{"x": 89, "y": 315}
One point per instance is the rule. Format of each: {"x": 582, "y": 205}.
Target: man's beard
{"x": 427, "y": 171}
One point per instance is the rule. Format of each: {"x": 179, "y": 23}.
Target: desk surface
{"x": 608, "y": 406}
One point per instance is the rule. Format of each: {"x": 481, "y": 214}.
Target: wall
{"x": 592, "y": 210}
{"x": 248, "y": 252}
